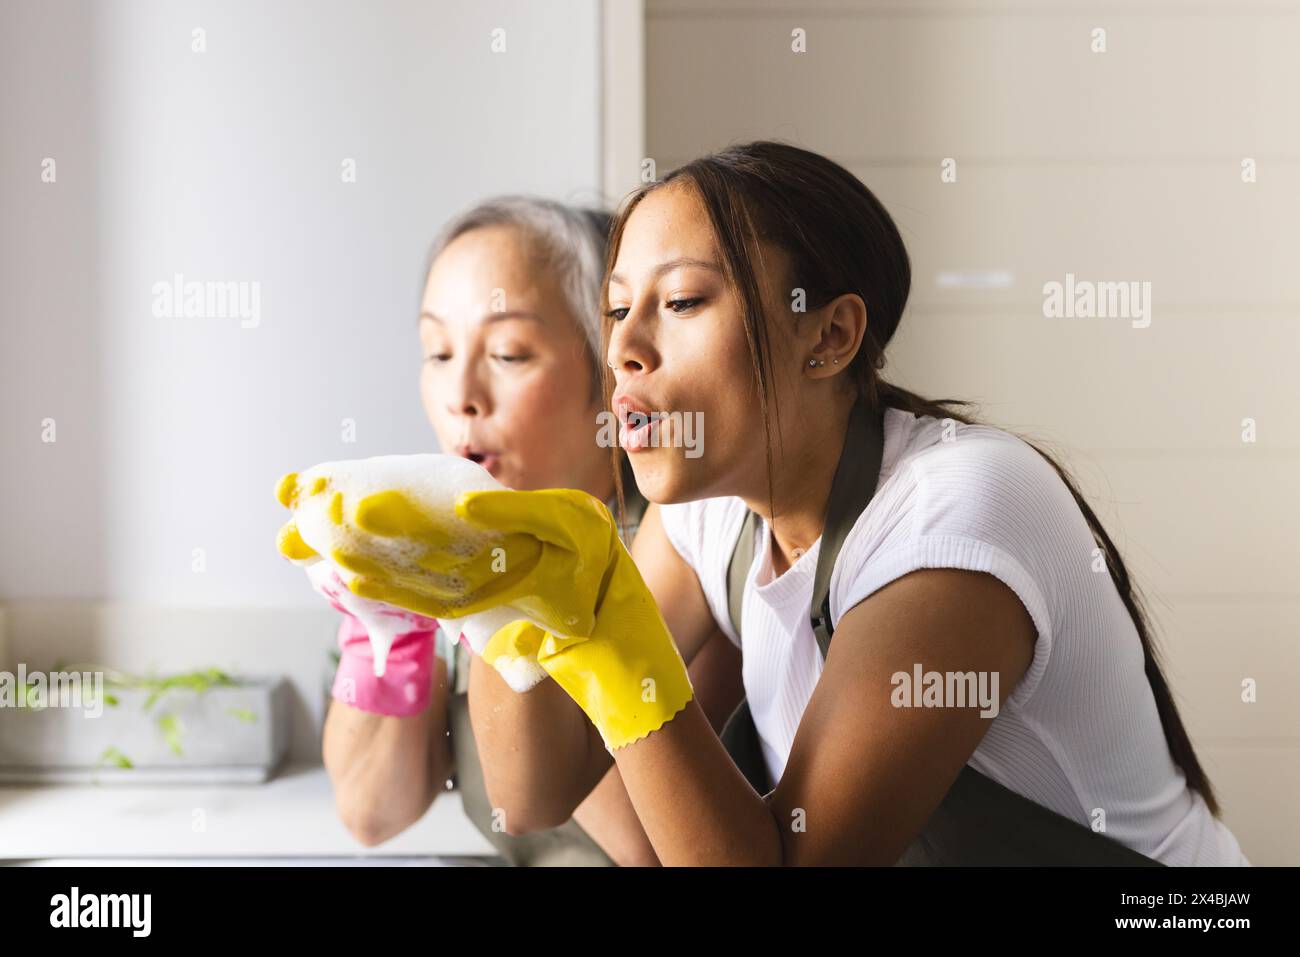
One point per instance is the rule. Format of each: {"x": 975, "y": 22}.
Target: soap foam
{"x": 432, "y": 483}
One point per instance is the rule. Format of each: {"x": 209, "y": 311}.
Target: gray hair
{"x": 571, "y": 240}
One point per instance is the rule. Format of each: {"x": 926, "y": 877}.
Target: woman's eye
{"x": 511, "y": 359}
{"x": 438, "y": 357}
{"x": 682, "y": 305}
{"x": 617, "y": 314}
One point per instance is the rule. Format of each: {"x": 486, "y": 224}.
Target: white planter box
{"x": 225, "y": 733}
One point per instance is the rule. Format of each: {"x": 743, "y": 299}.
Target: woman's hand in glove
{"x": 606, "y": 643}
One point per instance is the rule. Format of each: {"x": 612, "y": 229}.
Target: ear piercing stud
{"x": 818, "y": 363}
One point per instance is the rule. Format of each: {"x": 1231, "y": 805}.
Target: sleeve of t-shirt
{"x": 680, "y": 529}
{"x": 983, "y": 504}
{"x": 704, "y": 533}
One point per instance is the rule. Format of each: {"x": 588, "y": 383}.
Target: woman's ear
{"x": 837, "y": 329}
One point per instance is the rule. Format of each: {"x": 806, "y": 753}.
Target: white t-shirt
{"x": 1080, "y": 730}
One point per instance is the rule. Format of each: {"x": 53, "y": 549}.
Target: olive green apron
{"x": 979, "y": 822}
{"x": 565, "y": 846}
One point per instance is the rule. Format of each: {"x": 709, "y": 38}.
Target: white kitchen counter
{"x": 292, "y": 817}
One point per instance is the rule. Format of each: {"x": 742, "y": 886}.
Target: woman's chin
{"x": 659, "y": 479}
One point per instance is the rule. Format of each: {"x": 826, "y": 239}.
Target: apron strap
{"x": 740, "y": 735}
{"x": 853, "y": 488}
{"x": 738, "y": 570}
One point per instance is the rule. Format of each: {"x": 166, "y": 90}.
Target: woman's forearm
{"x": 608, "y": 818}
{"x": 387, "y": 771}
{"x": 695, "y": 805}
{"x": 540, "y": 755}
{"x": 607, "y": 815}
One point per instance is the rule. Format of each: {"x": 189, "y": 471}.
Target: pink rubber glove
{"x": 405, "y": 686}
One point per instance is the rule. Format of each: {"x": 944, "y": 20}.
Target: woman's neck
{"x": 802, "y": 488}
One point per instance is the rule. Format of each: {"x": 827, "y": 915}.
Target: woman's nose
{"x": 631, "y": 346}
{"x": 466, "y": 408}
{"x": 466, "y": 395}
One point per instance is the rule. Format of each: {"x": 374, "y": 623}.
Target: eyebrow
{"x": 490, "y": 317}
{"x": 669, "y": 266}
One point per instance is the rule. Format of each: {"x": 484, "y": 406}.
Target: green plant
{"x": 114, "y": 756}
{"x": 169, "y": 724}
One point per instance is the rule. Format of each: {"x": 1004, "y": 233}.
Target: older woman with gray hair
{"x": 509, "y": 331}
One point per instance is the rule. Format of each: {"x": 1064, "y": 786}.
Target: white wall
{"x": 1116, "y": 166}
{"x": 226, "y": 166}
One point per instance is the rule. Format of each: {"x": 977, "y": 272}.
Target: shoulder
{"x": 944, "y": 481}
{"x": 951, "y": 478}
{"x": 971, "y": 497}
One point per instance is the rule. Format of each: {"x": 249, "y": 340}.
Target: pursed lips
{"x": 637, "y": 424}
{"x": 632, "y": 413}
{"x": 479, "y": 456}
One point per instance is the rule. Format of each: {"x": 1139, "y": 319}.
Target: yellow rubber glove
{"x": 401, "y": 532}
{"x": 554, "y": 555}
{"x": 512, "y": 651}
{"x": 606, "y": 643}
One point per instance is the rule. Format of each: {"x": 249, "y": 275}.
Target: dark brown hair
{"x": 837, "y": 238}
